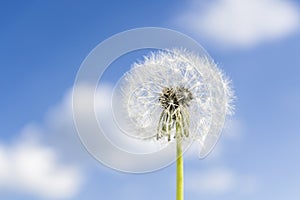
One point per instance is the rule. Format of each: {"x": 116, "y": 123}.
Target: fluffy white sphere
{"x": 140, "y": 89}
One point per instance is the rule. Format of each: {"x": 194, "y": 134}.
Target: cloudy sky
{"x": 42, "y": 45}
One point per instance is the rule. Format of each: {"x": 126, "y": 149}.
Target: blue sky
{"x": 42, "y": 45}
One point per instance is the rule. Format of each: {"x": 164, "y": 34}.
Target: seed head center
{"x": 172, "y": 98}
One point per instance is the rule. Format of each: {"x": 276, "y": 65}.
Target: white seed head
{"x": 172, "y": 84}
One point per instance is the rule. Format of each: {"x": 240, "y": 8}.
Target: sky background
{"x": 42, "y": 45}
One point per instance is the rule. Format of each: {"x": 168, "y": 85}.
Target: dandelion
{"x": 176, "y": 96}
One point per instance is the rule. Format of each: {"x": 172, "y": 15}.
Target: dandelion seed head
{"x": 179, "y": 83}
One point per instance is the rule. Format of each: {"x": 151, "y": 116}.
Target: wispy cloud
{"x": 241, "y": 23}
{"x": 47, "y": 159}
{"x": 29, "y": 166}
{"x": 61, "y": 127}
{"x": 219, "y": 181}
{"x": 232, "y": 134}
{"x": 47, "y": 150}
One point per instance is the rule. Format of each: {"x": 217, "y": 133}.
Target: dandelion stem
{"x": 179, "y": 163}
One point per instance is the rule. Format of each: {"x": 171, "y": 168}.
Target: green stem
{"x": 179, "y": 164}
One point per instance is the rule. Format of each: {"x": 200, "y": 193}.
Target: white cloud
{"x": 219, "y": 181}
{"x": 60, "y": 123}
{"x": 29, "y": 166}
{"x": 38, "y": 149}
{"x": 241, "y": 23}
{"x": 234, "y": 129}
{"x": 232, "y": 133}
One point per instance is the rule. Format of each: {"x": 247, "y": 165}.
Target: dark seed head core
{"x": 171, "y": 98}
